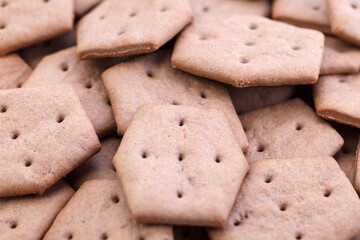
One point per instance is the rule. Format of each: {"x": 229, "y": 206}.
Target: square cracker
{"x": 339, "y": 57}
{"x": 98, "y": 210}
{"x": 301, "y": 198}
{"x": 29, "y": 217}
{"x": 252, "y": 98}
{"x": 249, "y": 50}
{"x": 119, "y": 28}
{"x": 99, "y": 166}
{"x": 24, "y": 22}
{"x": 83, "y": 6}
{"x": 284, "y": 130}
{"x": 334, "y": 98}
{"x": 64, "y": 67}
{"x": 180, "y": 165}
{"x": 13, "y": 71}
{"x": 44, "y": 135}
{"x": 211, "y": 7}
{"x": 344, "y": 17}
{"x": 303, "y": 13}
{"x": 151, "y": 79}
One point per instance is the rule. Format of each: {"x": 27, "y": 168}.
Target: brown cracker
{"x": 99, "y": 166}
{"x": 24, "y": 22}
{"x": 339, "y": 57}
{"x": 303, "y": 13}
{"x": 121, "y": 28}
{"x": 98, "y": 210}
{"x": 252, "y": 98}
{"x": 83, "y": 6}
{"x": 334, "y": 98}
{"x": 194, "y": 152}
{"x": 13, "y": 71}
{"x": 249, "y": 50}
{"x": 33, "y": 55}
{"x": 211, "y": 7}
{"x": 344, "y": 17}
{"x": 357, "y": 170}
{"x": 44, "y": 135}
{"x": 284, "y": 131}
{"x": 29, "y": 217}
{"x": 151, "y": 79}
{"x": 64, "y": 67}
{"x": 301, "y": 198}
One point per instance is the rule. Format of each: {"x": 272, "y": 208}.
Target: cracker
{"x": 98, "y": 210}
{"x": 339, "y": 57}
{"x": 44, "y": 135}
{"x": 252, "y": 98}
{"x": 211, "y": 7}
{"x": 13, "y": 71}
{"x": 249, "y": 50}
{"x": 29, "y": 217}
{"x": 344, "y": 18}
{"x": 33, "y": 55}
{"x": 153, "y": 80}
{"x": 347, "y": 155}
{"x": 99, "y": 166}
{"x": 303, "y": 13}
{"x": 301, "y": 198}
{"x": 24, "y": 22}
{"x": 284, "y": 131}
{"x": 119, "y": 28}
{"x": 64, "y": 67}
{"x": 194, "y": 152}
{"x": 189, "y": 233}
{"x": 334, "y": 98}
{"x": 357, "y": 170}
{"x": 84, "y": 6}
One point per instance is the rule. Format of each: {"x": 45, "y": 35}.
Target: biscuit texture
{"x": 339, "y": 57}
{"x": 304, "y": 13}
{"x": 151, "y": 79}
{"x": 180, "y": 165}
{"x": 83, "y": 6}
{"x": 44, "y": 135}
{"x": 98, "y": 210}
{"x": 284, "y": 130}
{"x": 29, "y": 217}
{"x": 344, "y": 17}
{"x": 293, "y": 199}
{"x": 99, "y": 166}
{"x": 119, "y": 28}
{"x": 23, "y": 22}
{"x": 249, "y": 50}
{"x": 13, "y": 71}
{"x": 334, "y": 98}
{"x": 64, "y": 67}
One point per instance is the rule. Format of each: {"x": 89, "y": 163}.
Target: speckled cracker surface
{"x": 98, "y": 210}
{"x": 288, "y": 130}
{"x": 304, "y": 13}
{"x": 99, "y": 166}
{"x": 64, "y": 67}
{"x": 44, "y": 135}
{"x": 121, "y": 28}
{"x": 83, "y": 6}
{"x": 13, "y": 71}
{"x": 339, "y": 57}
{"x": 334, "y": 98}
{"x": 249, "y": 50}
{"x": 24, "y": 22}
{"x": 194, "y": 152}
{"x": 29, "y": 217}
{"x": 151, "y": 79}
{"x": 293, "y": 199}
{"x": 252, "y": 98}
{"x": 344, "y": 17}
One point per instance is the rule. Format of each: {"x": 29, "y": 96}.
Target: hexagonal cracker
{"x": 180, "y": 165}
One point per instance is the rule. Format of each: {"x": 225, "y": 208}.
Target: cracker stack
{"x": 179, "y": 120}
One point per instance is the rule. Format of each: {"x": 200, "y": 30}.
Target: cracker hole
{"x": 88, "y": 85}
{"x": 115, "y": 199}
{"x": 104, "y": 236}
{"x": 249, "y": 43}
{"x": 327, "y": 193}
{"x": 141, "y": 238}
{"x": 202, "y": 38}
{"x": 14, "y": 135}
{"x": 121, "y": 33}
{"x": 60, "y": 119}
{"x": 3, "y": 4}
{"x": 64, "y": 67}
{"x": 144, "y": 154}
{"x": 28, "y": 163}
{"x": 181, "y": 122}
{"x": 298, "y": 126}
{"x": 133, "y": 14}
{"x": 268, "y": 179}
{"x": 217, "y": 159}
{"x": 114, "y": 169}
{"x": 102, "y": 17}
{"x": 108, "y": 102}
{"x": 205, "y": 9}
{"x": 283, "y": 207}
{"x": 203, "y": 95}
{"x": 19, "y": 85}
{"x": 46, "y": 1}
{"x": 175, "y": 103}
{"x": 3, "y": 109}
{"x": 69, "y": 236}
{"x": 180, "y": 157}
{"x": 354, "y": 5}
{"x": 149, "y": 74}
{"x": 244, "y": 60}
{"x": 342, "y": 80}
{"x": 237, "y": 223}
{"x": 13, "y": 225}
{"x": 296, "y": 48}
{"x": 180, "y": 194}
{"x": 2, "y": 26}
{"x": 298, "y": 236}
{"x": 164, "y": 9}
{"x": 316, "y": 8}
{"x": 253, "y": 26}
{"x": 260, "y": 148}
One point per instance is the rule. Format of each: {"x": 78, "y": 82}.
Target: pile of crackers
{"x": 179, "y": 119}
